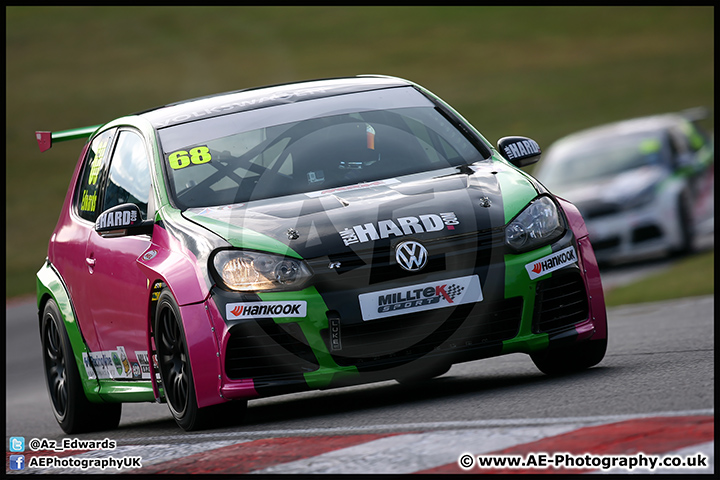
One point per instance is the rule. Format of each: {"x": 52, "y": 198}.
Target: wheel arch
{"x": 202, "y": 338}
{"x": 50, "y": 285}
{"x": 673, "y": 193}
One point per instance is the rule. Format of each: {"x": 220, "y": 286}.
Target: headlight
{"x": 256, "y": 271}
{"x": 538, "y": 225}
{"x": 640, "y": 199}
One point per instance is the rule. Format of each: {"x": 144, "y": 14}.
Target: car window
{"x": 587, "y": 161}
{"x": 316, "y": 152}
{"x": 129, "y": 176}
{"x": 87, "y": 203}
{"x": 695, "y": 136}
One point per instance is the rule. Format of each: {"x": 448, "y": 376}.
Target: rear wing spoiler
{"x": 45, "y": 139}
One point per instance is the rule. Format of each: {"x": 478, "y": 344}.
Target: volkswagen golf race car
{"x": 302, "y": 236}
{"x": 645, "y": 186}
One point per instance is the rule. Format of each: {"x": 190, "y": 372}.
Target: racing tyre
{"x": 72, "y": 410}
{"x": 176, "y": 373}
{"x": 560, "y": 361}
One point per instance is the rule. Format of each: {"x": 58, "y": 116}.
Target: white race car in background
{"x": 644, "y": 185}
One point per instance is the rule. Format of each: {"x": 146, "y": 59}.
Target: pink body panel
{"x": 577, "y": 224}
{"x": 591, "y": 273}
{"x": 163, "y": 260}
{"x": 66, "y": 250}
{"x": 204, "y": 326}
{"x": 594, "y": 288}
{"x": 204, "y": 353}
{"x": 230, "y": 389}
{"x": 169, "y": 262}
{"x": 205, "y": 330}
{"x": 116, "y": 292}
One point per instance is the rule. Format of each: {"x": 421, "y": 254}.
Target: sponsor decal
{"x": 150, "y": 255}
{"x": 359, "y": 186}
{"x": 116, "y": 362}
{"x": 88, "y": 201}
{"x": 297, "y": 309}
{"x": 99, "y": 361}
{"x": 420, "y": 297}
{"x": 399, "y": 227}
{"x": 124, "y": 360}
{"x": 106, "y": 359}
{"x": 96, "y": 164}
{"x": 334, "y": 326}
{"x": 274, "y": 97}
{"x": 521, "y": 149}
{"x": 144, "y": 363}
{"x": 87, "y": 362}
{"x": 117, "y": 219}
{"x": 115, "y": 365}
{"x": 411, "y": 256}
{"x": 184, "y": 158}
{"x": 552, "y": 262}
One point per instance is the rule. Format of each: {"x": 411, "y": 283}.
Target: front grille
{"x": 599, "y": 210}
{"x": 643, "y": 234}
{"x": 404, "y": 338}
{"x": 453, "y": 252}
{"x": 560, "y": 301}
{"x": 265, "y": 348}
{"x": 605, "y": 244}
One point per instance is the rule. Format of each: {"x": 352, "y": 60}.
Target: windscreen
{"x": 587, "y": 161}
{"x": 309, "y": 146}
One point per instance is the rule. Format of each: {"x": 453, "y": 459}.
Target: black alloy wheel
{"x": 71, "y": 408}
{"x": 177, "y": 376}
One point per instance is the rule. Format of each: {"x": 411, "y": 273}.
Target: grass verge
{"x": 690, "y": 277}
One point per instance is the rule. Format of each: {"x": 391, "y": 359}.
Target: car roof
{"x": 624, "y": 127}
{"x": 260, "y": 97}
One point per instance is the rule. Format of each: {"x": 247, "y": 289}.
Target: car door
{"x": 118, "y": 291}
{"x": 69, "y": 243}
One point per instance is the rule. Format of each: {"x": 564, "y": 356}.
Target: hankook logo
{"x": 411, "y": 256}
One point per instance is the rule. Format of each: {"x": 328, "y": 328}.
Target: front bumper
{"x": 270, "y": 356}
{"x": 632, "y": 234}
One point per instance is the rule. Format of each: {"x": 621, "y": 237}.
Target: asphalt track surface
{"x": 653, "y": 393}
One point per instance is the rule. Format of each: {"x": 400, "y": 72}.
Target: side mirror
{"x": 122, "y": 221}
{"x": 520, "y": 151}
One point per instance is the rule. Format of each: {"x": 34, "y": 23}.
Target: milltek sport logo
{"x": 234, "y": 311}
{"x": 399, "y": 227}
{"x": 421, "y": 297}
{"x": 550, "y": 263}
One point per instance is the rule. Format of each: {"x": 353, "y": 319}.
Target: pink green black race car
{"x": 302, "y": 236}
